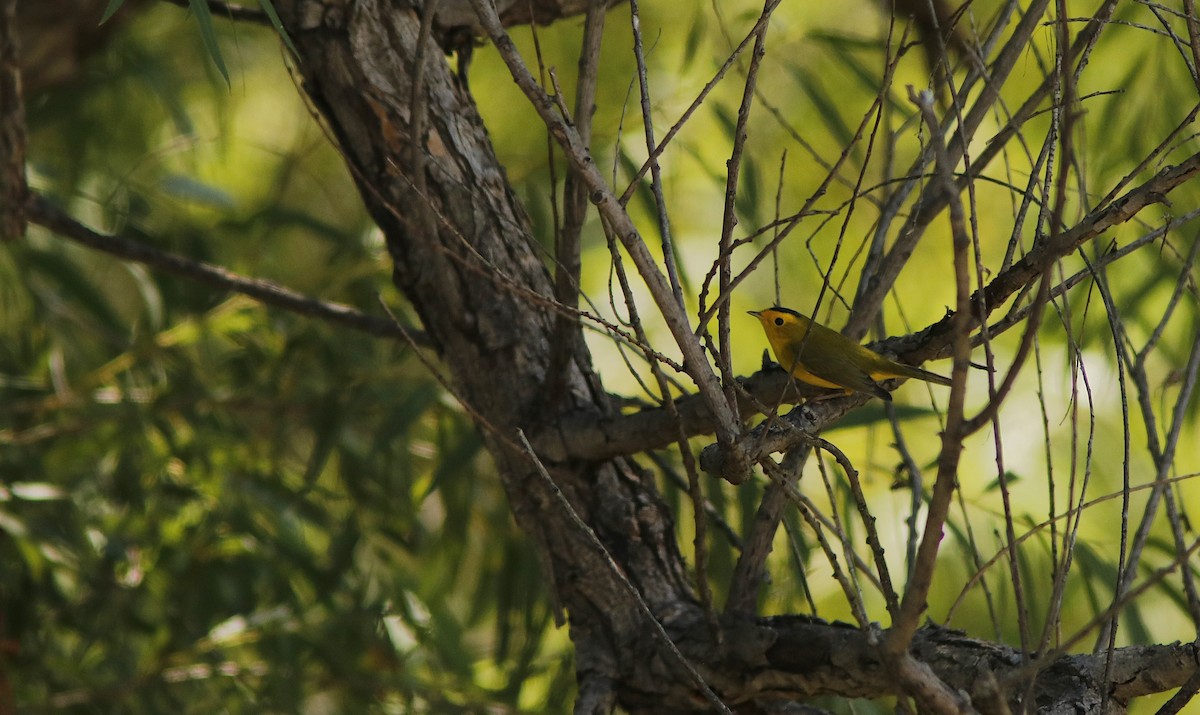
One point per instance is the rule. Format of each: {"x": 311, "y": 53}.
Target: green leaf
{"x": 198, "y": 192}
{"x": 74, "y": 286}
{"x": 208, "y": 33}
{"x": 749, "y": 200}
{"x": 825, "y": 105}
{"x": 11, "y": 525}
{"x": 695, "y": 37}
{"x": 840, "y": 41}
{"x": 269, "y": 8}
{"x": 37, "y": 491}
{"x": 874, "y": 413}
{"x": 113, "y": 6}
{"x": 1009, "y": 476}
{"x": 151, "y": 296}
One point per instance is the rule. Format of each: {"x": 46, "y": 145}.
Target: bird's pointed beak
{"x": 755, "y": 313}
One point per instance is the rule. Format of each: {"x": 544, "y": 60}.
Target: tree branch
{"x": 800, "y": 657}
{"x": 44, "y": 213}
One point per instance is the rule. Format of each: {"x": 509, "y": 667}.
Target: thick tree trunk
{"x": 464, "y": 255}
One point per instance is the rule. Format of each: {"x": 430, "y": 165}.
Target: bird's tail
{"x": 918, "y": 374}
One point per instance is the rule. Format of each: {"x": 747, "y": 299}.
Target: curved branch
{"x": 799, "y": 657}
{"x": 45, "y": 214}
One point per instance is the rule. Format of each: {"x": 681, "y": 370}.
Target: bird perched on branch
{"x": 819, "y": 356}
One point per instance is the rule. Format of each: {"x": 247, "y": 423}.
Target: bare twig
{"x": 913, "y": 604}
{"x": 819, "y": 525}
{"x": 656, "y": 186}
{"x": 884, "y": 271}
{"x": 1163, "y": 457}
{"x": 868, "y": 519}
{"x": 729, "y": 216}
{"x": 1193, "y": 26}
{"x": 568, "y": 253}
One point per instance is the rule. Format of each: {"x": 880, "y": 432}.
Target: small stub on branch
{"x": 773, "y": 435}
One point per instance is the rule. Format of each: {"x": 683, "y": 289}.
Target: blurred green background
{"x": 211, "y": 506}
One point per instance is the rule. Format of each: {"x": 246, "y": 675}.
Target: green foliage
{"x": 268, "y": 7}
{"x": 206, "y": 505}
{"x": 208, "y": 33}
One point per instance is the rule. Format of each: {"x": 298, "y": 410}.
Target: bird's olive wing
{"x": 840, "y": 371}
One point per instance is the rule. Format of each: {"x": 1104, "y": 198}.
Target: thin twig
{"x": 1163, "y": 456}
{"x": 729, "y": 216}
{"x": 656, "y": 185}
{"x": 819, "y": 524}
{"x": 887, "y": 267}
{"x": 868, "y": 519}
{"x": 1193, "y": 26}
{"x": 846, "y": 539}
{"x": 569, "y": 249}
{"x": 914, "y": 602}
{"x": 1023, "y": 675}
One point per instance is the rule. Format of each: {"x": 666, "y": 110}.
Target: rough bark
{"x": 464, "y": 256}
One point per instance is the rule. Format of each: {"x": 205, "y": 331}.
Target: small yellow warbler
{"x": 826, "y": 358}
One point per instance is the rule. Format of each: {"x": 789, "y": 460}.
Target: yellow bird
{"x": 826, "y": 358}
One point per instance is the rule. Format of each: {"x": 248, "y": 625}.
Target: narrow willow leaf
{"x": 827, "y": 107}
{"x": 208, "y": 33}
{"x": 269, "y": 8}
{"x": 113, "y": 6}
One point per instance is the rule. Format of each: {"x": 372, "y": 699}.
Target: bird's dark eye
{"x": 779, "y": 321}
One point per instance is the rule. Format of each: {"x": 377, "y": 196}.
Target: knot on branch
{"x": 772, "y": 435}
